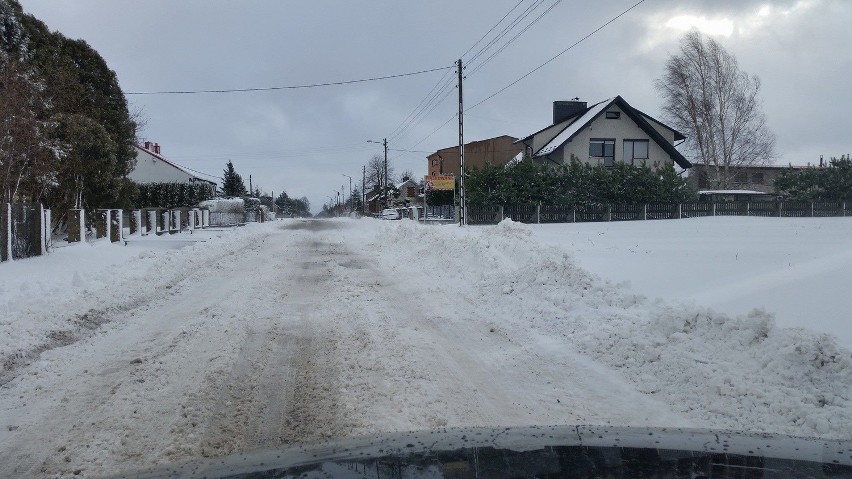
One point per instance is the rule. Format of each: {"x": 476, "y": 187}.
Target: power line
{"x": 492, "y": 28}
{"x": 512, "y": 40}
{"x": 436, "y": 96}
{"x": 428, "y": 107}
{"x": 434, "y": 131}
{"x": 290, "y": 87}
{"x": 509, "y": 27}
{"x": 558, "y": 54}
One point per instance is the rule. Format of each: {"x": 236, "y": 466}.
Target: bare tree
{"x": 376, "y": 171}
{"x": 717, "y": 106}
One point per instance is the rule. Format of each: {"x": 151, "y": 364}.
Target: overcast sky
{"x": 304, "y": 141}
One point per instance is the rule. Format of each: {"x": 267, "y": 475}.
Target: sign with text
{"x": 440, "y": 182}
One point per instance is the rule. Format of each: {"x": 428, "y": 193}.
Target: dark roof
{"x": 638, "y": 117}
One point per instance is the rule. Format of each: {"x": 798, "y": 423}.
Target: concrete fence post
{"x": 76, "y": 225}
{"x": 500, "y": 216}
{"x": 573, "y": 215}
{"x": 780, "y": 209}
{"x": 748, "y": 208}
{"x": 205, "y": 218}
{"x": 45, "y": 228}
{"x": 5, "y": 232}
{"x": 679, "y": 211}
{"x": 812, "y": 209}
{"x": 645, "y": 212}
{"x": 714, "y": 208}
{"x": 164, "y": 222}
{"x": 844, "y": 208}
{"x": 538, "y": 213}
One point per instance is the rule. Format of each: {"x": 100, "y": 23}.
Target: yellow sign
{"x": 440, "y": 182}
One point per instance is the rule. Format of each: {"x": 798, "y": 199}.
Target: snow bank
{"x": 56, "y": 299}
{"x": 741, "y": 372}
{"x": 224, "y": 205}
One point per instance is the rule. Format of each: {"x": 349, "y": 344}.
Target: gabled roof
{"x": 571, "y": 129}
{"x": 175, "y": 165}
{"x": 582, "y": 119}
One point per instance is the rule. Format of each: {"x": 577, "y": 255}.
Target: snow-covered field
{"x": 797, "y": 269}
{"x": 118, "y": 358}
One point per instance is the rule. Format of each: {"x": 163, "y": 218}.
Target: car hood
{"x": 575, "y": 451}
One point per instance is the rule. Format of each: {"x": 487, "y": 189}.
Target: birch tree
{"x": 717, "y": 106}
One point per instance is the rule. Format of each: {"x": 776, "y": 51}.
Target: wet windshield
{"x": 251, "y": 229}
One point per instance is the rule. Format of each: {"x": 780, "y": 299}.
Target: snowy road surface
{"x": 326, "y": 329}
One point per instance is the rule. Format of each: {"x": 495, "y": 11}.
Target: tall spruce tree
{"x": 232, "y": 182}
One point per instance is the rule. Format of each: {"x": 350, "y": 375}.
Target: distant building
{"x": 605, "y": 133}
{"x": 495, "y": 151}
{"x": 153, "y": 167}
{"x": 755, "y": 178}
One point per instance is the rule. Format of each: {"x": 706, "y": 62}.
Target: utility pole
{"x": 351, "y": 200}
{"x": 463, "y": 205}
{"x": 363, "y": 189}
{"x": 385, "y": 143}
{"x": 251, "y": 191}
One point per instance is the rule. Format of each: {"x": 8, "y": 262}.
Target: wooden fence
{"x": 640, "y": 212}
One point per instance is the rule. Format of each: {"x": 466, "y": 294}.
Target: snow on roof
{"x": 732, "y": 192}
{"x": 398, "y": 186}
{"x": 574, "y": 127}
{"x": 514, "y": 161}
{"x": 175, "y": 165}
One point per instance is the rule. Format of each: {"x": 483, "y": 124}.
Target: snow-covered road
{"x": 309, "y": 330}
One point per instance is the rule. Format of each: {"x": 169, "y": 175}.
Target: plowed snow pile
{"x": 740, "y": 372}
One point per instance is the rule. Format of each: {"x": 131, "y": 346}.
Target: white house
{"x": 152, "y": 167}
{"x": 606, "y": 133}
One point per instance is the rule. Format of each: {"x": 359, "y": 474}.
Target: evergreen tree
{"x": 232, "y": 183}
{"x": 72, "y": 110}
{"x": 818, "y": 184}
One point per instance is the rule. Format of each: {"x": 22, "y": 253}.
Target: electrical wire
{"x": 290, "y": 87}
{"x": 512, "y": 40}
{"x": 436, "y": 96}
{"x": 557, "y": 55}
{"x": 492, "y": 28}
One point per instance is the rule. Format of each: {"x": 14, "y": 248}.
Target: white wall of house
{"x": 150, "y": 169}
{"x": 623, "y": 128}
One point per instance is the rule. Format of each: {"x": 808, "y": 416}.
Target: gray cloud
{"x": 304, "y": 140}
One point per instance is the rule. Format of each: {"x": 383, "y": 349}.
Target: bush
{"x": 575, "y": 185}
{"x": 171, "y": 195}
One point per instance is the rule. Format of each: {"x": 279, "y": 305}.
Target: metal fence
{"x": 631, "y": 212}
{"x": 24, "y": 230}
{"x": 227, "y": 219}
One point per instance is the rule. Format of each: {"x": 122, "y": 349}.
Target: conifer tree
{"x": 232, "y": 182}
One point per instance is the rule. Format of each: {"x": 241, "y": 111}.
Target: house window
{"x": 411, "y": 192}
{"x": 613, "y": 115}
{"x": 757, "y": 178}
{"x": 603, "y": 148}
{"x": 703, "y": 180}
{"x": 635, "y": 150}
{"x": 434, "y": 162}
{"x": 741, "y": 178}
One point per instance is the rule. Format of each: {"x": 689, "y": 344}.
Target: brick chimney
{"x": 157, "y": 148}
{"x": 562, "y": 110}
{"x": 147, "y": 145}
